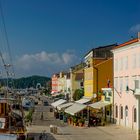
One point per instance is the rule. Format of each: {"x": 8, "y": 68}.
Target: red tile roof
{"x": 126, "y": 43}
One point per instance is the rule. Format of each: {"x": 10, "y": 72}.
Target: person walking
{"x": 41, "y": 116}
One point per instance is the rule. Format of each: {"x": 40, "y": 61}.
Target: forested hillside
{"x": 26, "y": 82}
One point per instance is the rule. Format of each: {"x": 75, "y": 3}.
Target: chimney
{"x": 139, "y": 36}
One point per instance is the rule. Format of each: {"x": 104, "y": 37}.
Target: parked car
{"x": 45, "y": 103}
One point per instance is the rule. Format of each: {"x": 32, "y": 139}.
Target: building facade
{"x": 98, "y": 71}
{"x": 126, "y": 72}
{"x": 55, "y": 83}
{"x": 77, "y": 78}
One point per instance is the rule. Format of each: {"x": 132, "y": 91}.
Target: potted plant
{"x": 74, "y": 121}
{"x": 81, "y": 122}
{"x": 69, "y": 120}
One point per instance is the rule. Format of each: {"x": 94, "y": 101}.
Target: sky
{"x": 48, "y": 36}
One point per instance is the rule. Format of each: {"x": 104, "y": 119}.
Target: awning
{"x": 59, "y": 102}
{"x": 84, "y": 100}
{"x": 99, "y": 105}
{"x": 75, "y": 108}
{"x": 63, "y": 106}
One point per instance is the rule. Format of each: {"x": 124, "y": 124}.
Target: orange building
{"x": 98, "y": 72}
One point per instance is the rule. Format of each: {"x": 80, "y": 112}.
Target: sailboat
{"x": 11, "y": 118}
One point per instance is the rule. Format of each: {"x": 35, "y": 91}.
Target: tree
{"x": 78, "y": 94}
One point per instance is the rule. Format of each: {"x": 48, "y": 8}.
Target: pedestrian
{"x": 31, "y": 120}
{"x": 40, "y": 137}
{"x": 41, "y": 116}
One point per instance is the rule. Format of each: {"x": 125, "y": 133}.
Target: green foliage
{"x": 26, "y": 82}
{"x": 78, "y": 94}
{"x": 28, "y": 117}
{"x": 81, "y": 120}
{"x": 75, "y": 119}
{"x": 47, "y": 92}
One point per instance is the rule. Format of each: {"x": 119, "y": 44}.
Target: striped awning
{"x": 59, "y": 102}
{"x": 99, "y": 105}
{"x": 75, "y": 108}
{"x": 64, "y": 106}
{"x": 84, "y": 100}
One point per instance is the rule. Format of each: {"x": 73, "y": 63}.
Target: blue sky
{"x": 47, "y": 36}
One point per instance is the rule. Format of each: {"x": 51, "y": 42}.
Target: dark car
{"x": 45, "y": 103}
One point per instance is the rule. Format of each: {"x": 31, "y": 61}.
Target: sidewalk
{"x": 111, "y": 132}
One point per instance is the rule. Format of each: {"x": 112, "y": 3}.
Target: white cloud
{"x": 135, "y": 28}
{"x": 44, "y": 63}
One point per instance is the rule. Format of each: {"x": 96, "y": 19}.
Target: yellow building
{"x": 77, "y": 78}
{"x": 98, "y": 72}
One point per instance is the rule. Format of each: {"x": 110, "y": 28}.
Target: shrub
{"x": 78, "y": 94}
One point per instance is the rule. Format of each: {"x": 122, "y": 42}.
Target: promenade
{"x": 111, "y": 132}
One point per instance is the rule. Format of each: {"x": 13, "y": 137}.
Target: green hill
{"x": 27, "y": 82}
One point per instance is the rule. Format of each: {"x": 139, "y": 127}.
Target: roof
{"x": 126, "y": 43}
{"x": 65, "y": 105}
{"x": 78, "y": 67}
{"x": 111, "y": 46}
{"x": 59, "y": 102}
{"x": 75, "y": 108}
{"x": 99, "y": 105}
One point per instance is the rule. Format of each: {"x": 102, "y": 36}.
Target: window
{"x": 116, "y": 115}
{"x": 139, "y": 79}
{"x": 121, "y": 64}
{"x": 107, "y": 113}
{"x": 126, "y": 111}
{"x": 135, "y": 114}
{"x": 126, "y": 83}
{"x": 121, "y": 112}
{"x": 109, "y": 93}
{"x": 88, "y": 88}
{"x": 126, "y": 62}
{"x": 133, "y": 82}
{"x": 88, "y": 75}
{"x": 134, "y": 61}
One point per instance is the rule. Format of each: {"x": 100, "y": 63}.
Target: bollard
{"x": 51, "y": 128}
{"x": 55, "y": 129}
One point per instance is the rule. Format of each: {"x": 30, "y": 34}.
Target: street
{"x": 42, "y": 119}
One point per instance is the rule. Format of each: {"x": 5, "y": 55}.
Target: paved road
{"x": 39, "y": 124}
{"x": 48, "y": 117}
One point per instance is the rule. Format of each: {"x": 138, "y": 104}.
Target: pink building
{"x": 55, "y": 83}
{"x": 126, "y": 84}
